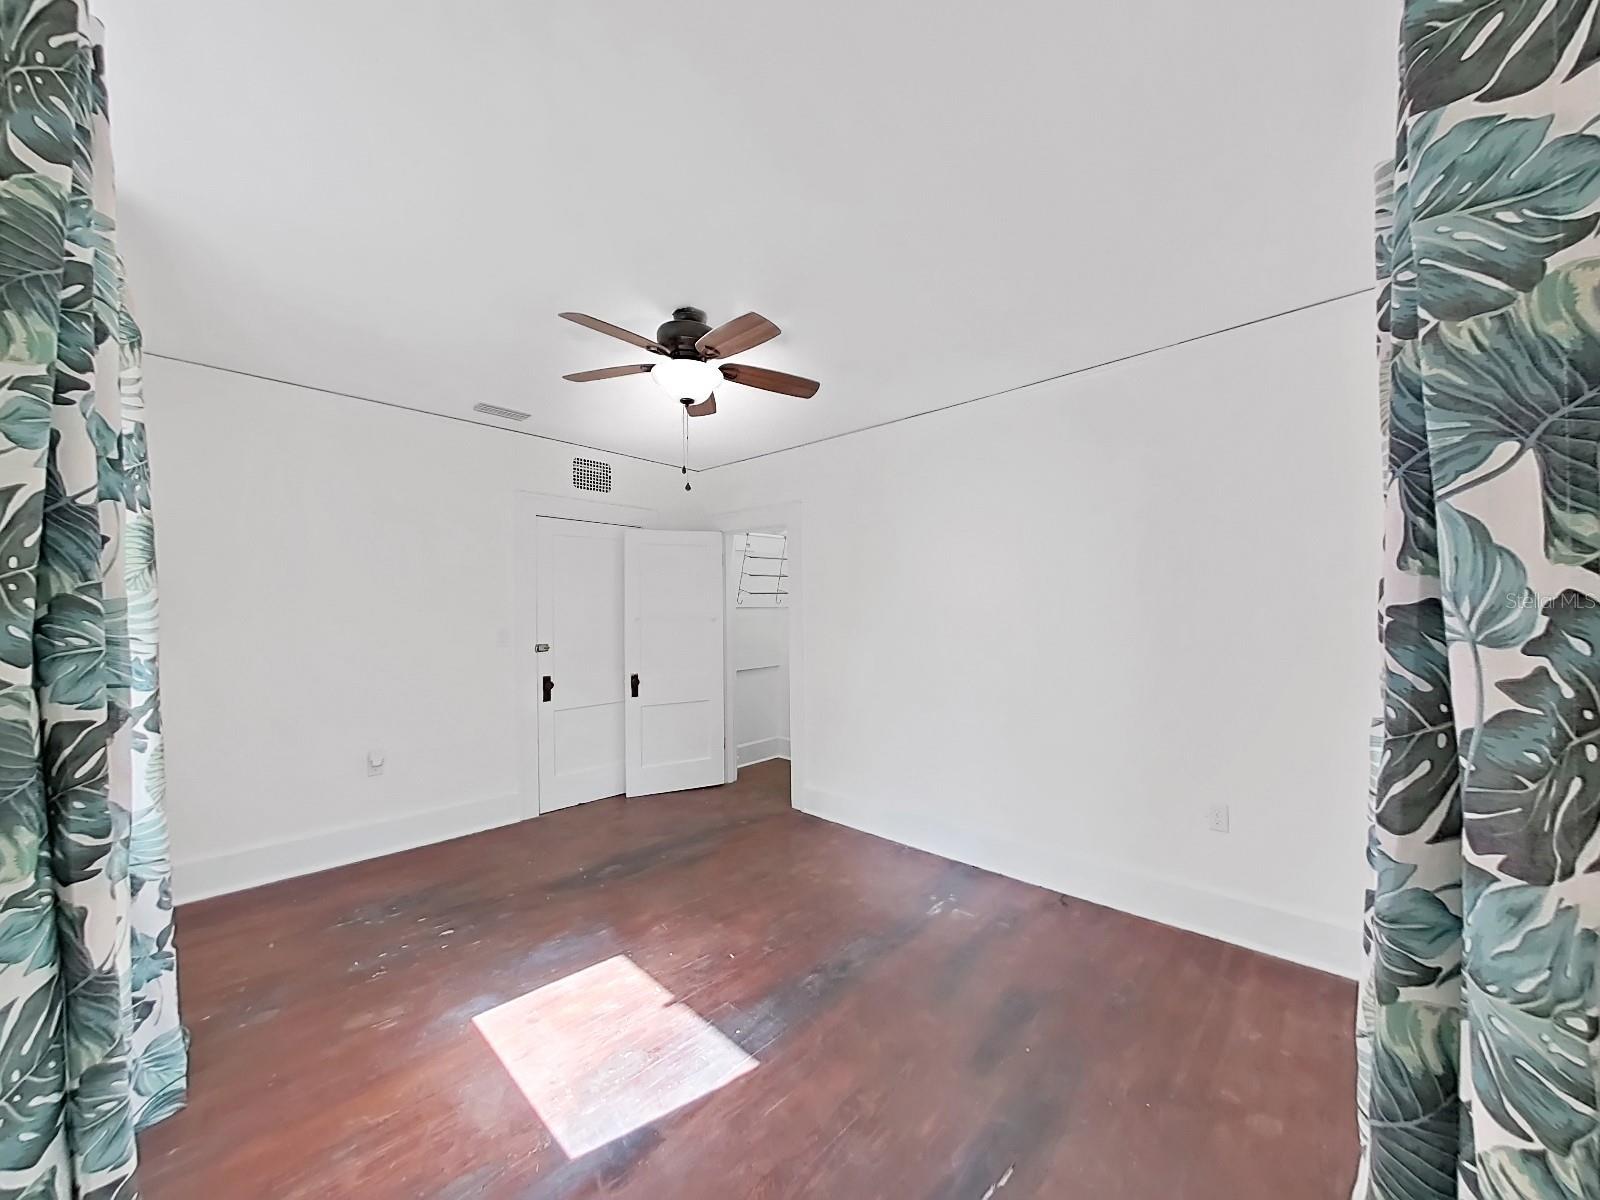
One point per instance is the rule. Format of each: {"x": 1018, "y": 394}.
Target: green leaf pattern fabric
{"x": 1479, "y": 1022}
{"x": 91, "y": 1048}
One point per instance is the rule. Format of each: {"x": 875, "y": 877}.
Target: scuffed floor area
{"x": 712, "y": 995}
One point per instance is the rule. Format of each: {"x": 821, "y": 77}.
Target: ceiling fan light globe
{"x": 686, "y": 378}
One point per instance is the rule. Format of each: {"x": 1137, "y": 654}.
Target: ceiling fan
{"x": 688, "y": 346}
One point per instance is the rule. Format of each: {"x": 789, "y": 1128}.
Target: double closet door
{"x": 630, "y": 691}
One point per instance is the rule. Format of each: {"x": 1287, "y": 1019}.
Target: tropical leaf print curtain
{"x": 90, "y": 1045}
{"x": 1480, "y": 1015}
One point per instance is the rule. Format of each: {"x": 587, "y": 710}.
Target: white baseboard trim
{"x": 1297, "y": 937}
{"x": 218, "y": 874}
{"x": 762, "y": 749}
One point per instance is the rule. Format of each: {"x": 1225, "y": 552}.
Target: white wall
{"x": 1045, "y": 631}
{"x": 1042, "y": 632}
{"x": 760, "y": 644}
{"x": 338, "y": 576}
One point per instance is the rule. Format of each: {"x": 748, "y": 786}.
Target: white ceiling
{"x": 936, "y": 201}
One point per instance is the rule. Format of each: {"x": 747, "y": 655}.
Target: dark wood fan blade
{"x": 616, "y": 331}
{"x": 769, "y": 381}
{"x": 608, "y": 373}
{"x": 737, "y": 336}
{"x": 704, "y": 409}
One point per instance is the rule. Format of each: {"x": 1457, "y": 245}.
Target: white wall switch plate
{"x": 374, "y": 762}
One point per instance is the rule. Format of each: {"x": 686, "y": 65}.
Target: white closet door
{"x": 673, "y": 619}
{"x": 583, "y": 684}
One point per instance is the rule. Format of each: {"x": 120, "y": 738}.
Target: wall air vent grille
{"x": 494, "y": 410}
{"x": 591, "y": 475}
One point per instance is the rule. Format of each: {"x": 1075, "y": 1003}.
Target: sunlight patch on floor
{"x": 607, "y": 1050}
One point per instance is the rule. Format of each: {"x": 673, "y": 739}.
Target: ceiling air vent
{"x": 591, "y": 475}
{"x": 505, "y": 414}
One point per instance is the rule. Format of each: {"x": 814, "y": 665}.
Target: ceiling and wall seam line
{"x": 927, "y": 412}
{"x": 421, "y": 412}
{"x": 1110, "y": 362}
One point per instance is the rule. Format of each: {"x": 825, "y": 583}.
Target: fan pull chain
{"x": 686, "y": 486}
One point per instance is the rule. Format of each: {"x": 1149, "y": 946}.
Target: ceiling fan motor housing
{"x": 688, "y": 326}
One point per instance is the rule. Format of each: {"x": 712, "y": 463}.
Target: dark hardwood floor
{"x": 919, "y": 1030}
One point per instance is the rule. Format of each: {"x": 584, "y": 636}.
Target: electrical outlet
{"x": 1217, "y": 818}
{"x": 374, "y": 762}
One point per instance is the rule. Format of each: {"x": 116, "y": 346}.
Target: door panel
{"x": 673, "y": 733}
{"x": 581, "y": 726}
{"x": 673, "y": 619}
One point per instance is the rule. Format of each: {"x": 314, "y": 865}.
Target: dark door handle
{"x": 633, "y": 683}
{"x": 549, "y": 686}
